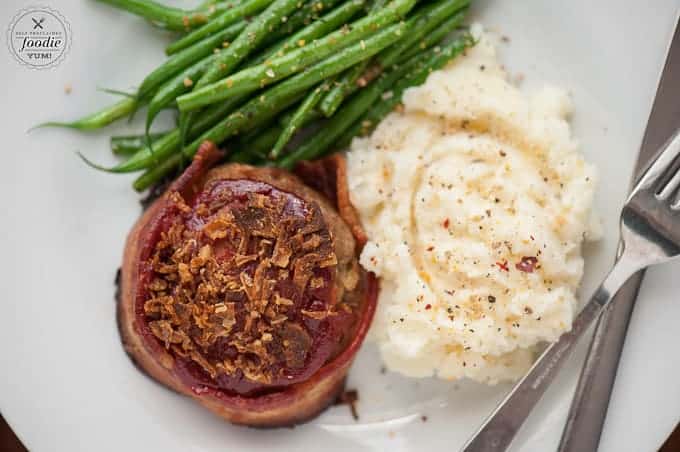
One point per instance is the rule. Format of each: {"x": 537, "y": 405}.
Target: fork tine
{"x": 669, "y": 189}
{"x": 658, "y": 173}
{"x": 676, "y": 204}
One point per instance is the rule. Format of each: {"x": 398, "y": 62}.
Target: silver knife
{"x": 589, "y": 407}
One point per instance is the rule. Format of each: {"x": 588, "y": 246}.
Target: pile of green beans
{"x": 251, "y": 74}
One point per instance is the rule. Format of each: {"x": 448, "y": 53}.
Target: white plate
{"x": 66, "y": 383}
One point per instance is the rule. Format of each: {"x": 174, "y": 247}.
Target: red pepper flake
{"x": 503, "y": 265}
{"x": 531, "y": 237}
{"x": 446, "y": 223}
{"x": 428, "y": 306}
{"x": 430, "y": 248}
{"x": 527, "y": 264}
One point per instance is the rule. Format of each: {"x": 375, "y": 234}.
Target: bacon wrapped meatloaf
{"x": 241, "y": 288}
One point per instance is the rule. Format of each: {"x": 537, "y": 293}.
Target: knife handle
{"x": 591, "y": 399}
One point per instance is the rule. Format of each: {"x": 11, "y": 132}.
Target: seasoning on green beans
{"x": 354, "y": 114}
{"x": 222, "y": 20}
{"x": 275, "y": 99}
{"x": 422, "y": 24}
{"x": 344, "y": 86}
{"x": 435, "y": 36}
{"x": 189, "y": 56}
{"x": 250, "y": 79}
{"x": 247, "y": 41}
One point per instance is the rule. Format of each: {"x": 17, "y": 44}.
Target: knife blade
{"x": 589, "y": 407}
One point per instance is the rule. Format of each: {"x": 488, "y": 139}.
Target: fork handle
{"x": 500, "y": 427}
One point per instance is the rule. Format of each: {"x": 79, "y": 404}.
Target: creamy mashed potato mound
{"x": 476, "y": 201}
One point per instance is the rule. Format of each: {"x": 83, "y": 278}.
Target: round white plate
{"x": 66, "y": 383}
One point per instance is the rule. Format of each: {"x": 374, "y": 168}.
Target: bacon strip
{"x": 329, "y": 176}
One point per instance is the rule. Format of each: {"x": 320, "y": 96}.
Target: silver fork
{"x": 650, "y": 234}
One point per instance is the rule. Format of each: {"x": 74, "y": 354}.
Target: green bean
{"x": 277, "y": 98}
{"x": 430, "y": 17}
{"x": 401, "y": 51}
{"x": 301, "y": 19}
{"x": 99, "y": 119}
{"x": 299, "y": 119}
{"x": 223, "y": 20}
{"x": 343, "y": 88}
{"x": 229, "y": 58}
{"x": 186, "y": 57}
{"x": 370, "y": 73}
{"x": 157, "y": 173}
{"x": 253, "y": 134}
{"x": 247, "y": 118}
{"x": 207, "y": 3}
{"x": 184, "y": 124}
{"x": 250, "y": 79}
{"x": 321, "y": 27}
{"x": 343, "y": 119}
{"x": 146, "y": 156}
{"x": 171, "y": 142}
{"x": 246, "y": 42}
{"x": 436, "y": 59}
{"x": 332, "y": 100}
{"x": 285, "y": 117}
{"x": 248, "y": 150}
{"x": 117, "y": 92}
{"x": 126, "y": 145}
{"x": 171, "y": 18}
{"x": 177, "y": 85}
{"x": 435, "y": 36}
{"x": 361, "y": 109}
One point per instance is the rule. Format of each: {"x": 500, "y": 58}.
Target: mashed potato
{"x": 476, "y": 202}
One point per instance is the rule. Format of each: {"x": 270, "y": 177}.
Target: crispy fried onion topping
{"x": 237, "y": 278}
